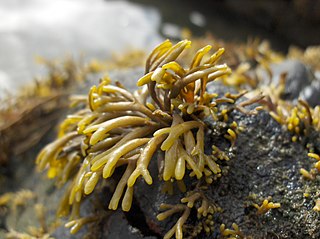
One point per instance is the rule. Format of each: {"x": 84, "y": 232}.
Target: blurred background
{"x": 98, "y": 28}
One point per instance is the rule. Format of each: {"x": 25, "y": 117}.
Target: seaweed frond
{"x": 298, "y": 118}
{"x": 33, "y": 110}
{"x": 170, "y": 210}
{"x": 234, "y": 233}
{"x": 193, "y": 201}
{"x": 266, "y": 206}
{"x": 317, "y": 206}
{"x": 115, "y": 129}
{"x": 12, "y": 234}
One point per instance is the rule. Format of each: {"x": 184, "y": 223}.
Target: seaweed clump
{"x": 116, "y": 134}
{"x": 36, "y": 107}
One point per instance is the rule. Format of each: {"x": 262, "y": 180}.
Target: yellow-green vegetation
{"x": 12, "y": 234}
{"x": 17, "y": 199}
{"x": 13, "y": 202}
{"x": 266, "y": 206}
{"x": 34, "y": 109}
{"x": 114, "y": 129}
{"x": 311, "y": 175}
{"x": 317, "y": 157}
{"x": 234, "y": 233}
{"x": 317, "y": 206}
{"x": 194, "y": 200}
{"x": 298, "y": 118}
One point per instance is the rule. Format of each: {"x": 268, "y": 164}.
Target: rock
{"x": 311, "y": 93}
{"x": 265, "y": 163}
{"x": 298, "y": 77}
{"x": 300, "y": 81}
{"x": 117, "y": 227}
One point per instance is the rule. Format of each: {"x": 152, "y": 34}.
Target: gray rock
{"x": 300, "y": 82}
{"x": 311, "y": 93}
{"x": 298, "y": 77}
{"x": 117, "y": 227}
{"x": 266, "y": 163}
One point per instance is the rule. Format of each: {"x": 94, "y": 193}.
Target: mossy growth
{"x": 114, "y": 128}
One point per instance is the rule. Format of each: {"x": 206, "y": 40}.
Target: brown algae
{"x": 115, "y": 128}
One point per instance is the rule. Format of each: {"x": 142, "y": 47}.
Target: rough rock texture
{"x": 266, "y": 163}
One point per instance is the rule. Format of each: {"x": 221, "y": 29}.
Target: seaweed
{"x": 116, "y": 134}
{"x": 33, "y": 110}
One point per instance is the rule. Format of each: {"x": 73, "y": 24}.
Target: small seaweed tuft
{"x": 266, "y": 206}
{"x": 234, "y": 233}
